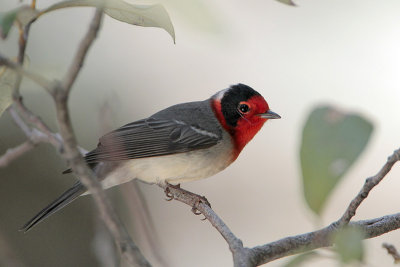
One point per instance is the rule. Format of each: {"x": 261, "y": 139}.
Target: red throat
{"x": 247, "y": 127}
{"x": 245, "y": 131}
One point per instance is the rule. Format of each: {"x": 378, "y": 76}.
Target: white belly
{"x": 177, "y": 168}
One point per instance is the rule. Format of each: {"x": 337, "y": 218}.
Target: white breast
{"x": 175, "y": 168}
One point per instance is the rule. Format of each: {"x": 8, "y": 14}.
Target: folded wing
{"x": 151, "y": 137}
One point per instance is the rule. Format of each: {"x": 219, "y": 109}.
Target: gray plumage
{"x": 184, "y": 142}
{"x": 164, "y": 133}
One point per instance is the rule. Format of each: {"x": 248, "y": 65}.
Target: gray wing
{"x": 151, "y": 137}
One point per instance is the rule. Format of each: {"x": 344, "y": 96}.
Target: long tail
{"x": 67, "y": 197}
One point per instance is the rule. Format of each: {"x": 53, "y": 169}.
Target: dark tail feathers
{"x": 67, "y": 197}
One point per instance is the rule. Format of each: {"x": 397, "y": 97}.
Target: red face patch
{"x": 248, "y": 124}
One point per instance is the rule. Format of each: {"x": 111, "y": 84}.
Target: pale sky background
{"x": 344, "y": 53}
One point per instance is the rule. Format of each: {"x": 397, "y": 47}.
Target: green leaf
{"x": 300, "y": 259}
{"x": 6, "y": 21}
{"x": 140, "y": 15}
{"x": 331, "y": 142}
{"x": 349, "y": 245}
{"x": 24, "y": 14}
{"x": 7, "y": 82}
{"x": 287, "y": 2}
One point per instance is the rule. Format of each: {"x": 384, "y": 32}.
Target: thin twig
{"x": 34, "y": 137}
{"x": 17, "y": 98}
{"x": 392, "y": 251}
{"x": 40, "y": 80}
{"x": 23, "y": 40}
{"x": 128, "y": 249}
{"x": 20, "y": 123}
{"x": 80, "y": 56}
{"x": 52, "y": 138}
{"x": 189, "y": 199}
{"x": 14, "y": 153}
{"x": 37, "y": 122}
{"x": 319, "y": 239}
{"x": 235, "y": 244}
{"x": 370, "y": 183}
{"x": 240, "y": 254}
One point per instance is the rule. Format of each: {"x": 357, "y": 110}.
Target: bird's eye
{"x": 244, "y": 108}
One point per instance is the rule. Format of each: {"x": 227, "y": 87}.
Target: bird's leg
{"x": 173, "y": 191}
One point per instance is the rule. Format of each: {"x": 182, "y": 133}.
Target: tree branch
{"x": 246, "y": 257}
{"x": 34, "y": 137}
{"x": 17, "y": 98}
{"x": 370, "y": 183}
{"x": 242, "y": 256}
{"x": 392, "y": 251}
{"x": 191, "y": 200}
{"x": 39, "y": 79}
{"x": 14, "y": 153}
{"x": 71, "y": 153}
{"x": 320, "y": 238}
{"x": 80, "y": 56}
{"x": 60, "y": 92}
{"x": 52, "y": 138}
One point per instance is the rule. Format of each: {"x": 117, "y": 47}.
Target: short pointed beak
{"x": 269, "y": 115}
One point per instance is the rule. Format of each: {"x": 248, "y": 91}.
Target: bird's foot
{"x": 167, "y": 190}
{"x": 195, "y": 198}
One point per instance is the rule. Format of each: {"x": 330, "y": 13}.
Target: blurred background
{"x": 343, "y": 53}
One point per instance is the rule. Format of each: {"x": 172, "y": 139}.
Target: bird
{"x": 182, "y": 143}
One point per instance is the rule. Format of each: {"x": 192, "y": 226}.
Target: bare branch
{"x": 392, "y": 251}
{"x": 128, "y": 249}
{"x": 369, "y": 184}
{"x": 34, "y": 137}
{"x": 14, "y": 153}
{"x": 23, "y": 39}
{"x": 188, "y": 198}
{"x": 37, "y": 122}
{"x": 40, "y": 80}
{"x": 320, "y": 238}
{"x": 80, "y": 56}
{"x": 244, "y": 257}
{"x": 19, "y": 122}
{"x": 235, "y": 244}
{"x": 52, "y": 138}
{"x": 240, "y": 253}
{"x": 71, "y": 153}
{"x": 60, "y": 92}
{"x": 17, "y": 98}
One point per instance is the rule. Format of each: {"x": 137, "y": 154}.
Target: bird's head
{"x": 242, "y": 112}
